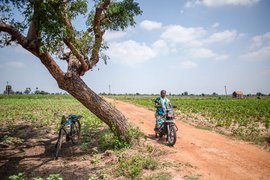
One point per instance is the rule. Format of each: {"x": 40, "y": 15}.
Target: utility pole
{"x": 109, "y": 89}
{"x": 225, "y": 90}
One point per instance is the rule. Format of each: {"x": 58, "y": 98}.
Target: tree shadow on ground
{"x": 35, "y": 156}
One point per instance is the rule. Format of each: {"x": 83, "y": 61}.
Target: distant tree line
{"x": 9, "y": 90}
{"x": 180, "y": 94}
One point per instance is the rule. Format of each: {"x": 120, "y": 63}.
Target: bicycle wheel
{"x": 75, "y": 130}
{"x": 171, "y": 137}
{"x": 59, "y": 142}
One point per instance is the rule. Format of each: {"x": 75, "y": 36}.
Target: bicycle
{"x": 71, "y": 127}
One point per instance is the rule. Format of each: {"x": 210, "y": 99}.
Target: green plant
{"x": 38, "y": 178}
{"x": 92, "y": 178}
{"x": 54, "y": 177}
{"x": 84, "y": 146}
{"x": 131, "y": 167}
{"x": 195, "y": 177}
{"x": 134, "y": 135}
{"x": 159, "y": 176}
{"x": 95, "y": 159}
{"x": 104, "y": 175}
{"x": 110, "y": 141}
{"x": 20, "y": 176}
{"x": 12, "y": 140}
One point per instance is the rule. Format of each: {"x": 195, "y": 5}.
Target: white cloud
{"x": 15, "y": 64}
{"x": 160, "y": 46}
{"x": 180, "y": 34}
{"x": 218, "y": 3}
{"x": 131, "y": 52}
{"x": 188, "y": 64}
{"x": 112, "y": 35}
{"x": 150, "y": 25}
{"x": 260, "y": 40}
{"x": 224, "y": 36}
{"x": 207, "y": 54}
{"x": 196, "y": 36}
{"x": 258, "y": 55}
{"x": 215, "y": 25}
{"x": 202, "y": 53}
{"x": 191, "y": 3}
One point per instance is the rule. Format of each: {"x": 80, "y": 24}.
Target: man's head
{"x": 162, "y": 93}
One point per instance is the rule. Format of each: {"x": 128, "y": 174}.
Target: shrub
{"x": 131, "y": 167}
{"x": 109, "y": 140}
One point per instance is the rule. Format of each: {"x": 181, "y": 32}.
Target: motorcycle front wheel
{"x": 171, "y": 136}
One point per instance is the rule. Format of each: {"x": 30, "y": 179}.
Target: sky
{"x": 198, "y": 46}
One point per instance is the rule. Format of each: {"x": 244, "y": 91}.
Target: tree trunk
{"x": 101, "y": 108}
{"x": 73, "y": 84}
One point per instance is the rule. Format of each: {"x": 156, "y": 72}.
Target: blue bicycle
{"x": 70, "y": 127}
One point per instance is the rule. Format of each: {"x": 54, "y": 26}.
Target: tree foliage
{"x": 49, "y": 24}
{"x": 44, "y": 28}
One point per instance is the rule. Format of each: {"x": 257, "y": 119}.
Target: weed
{"x": 38, "y": 178}
{"x": 12, "y": 140}
{"x": 20, "y": 176}
{"x": 159, "y": 176}
{"x": 54, "y": 177}
{"x": 134, "y": 134}
{"x": 109, "y": 140}
{"x": 131, "y": 167}
{"x": 84, "y": 146}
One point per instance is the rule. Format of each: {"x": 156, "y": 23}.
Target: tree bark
{"x": 97, "y": 105}
{"x": 74, "y": 85}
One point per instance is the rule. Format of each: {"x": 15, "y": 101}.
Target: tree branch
{"x": 98, "y": 33}
{"x": 69, "y": 42}
{"x": 45, "y": 57}
{"x": 16, "y": 35}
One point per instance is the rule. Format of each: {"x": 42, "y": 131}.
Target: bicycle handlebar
{"x": 66, "y": 116}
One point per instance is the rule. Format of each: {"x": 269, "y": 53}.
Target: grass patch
{"x": 12, "y": 140}
{"x": 159, "y": 176}
{"x": 203, "y": 127}
{"x": 132, "y": 166}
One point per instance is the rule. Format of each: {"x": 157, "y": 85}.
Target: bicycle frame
{"x": 68, "y": 128}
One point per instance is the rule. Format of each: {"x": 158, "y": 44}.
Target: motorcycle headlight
{"x": 170, "y": 114}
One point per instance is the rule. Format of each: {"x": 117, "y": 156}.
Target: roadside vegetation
{"x": 247, "y": 118}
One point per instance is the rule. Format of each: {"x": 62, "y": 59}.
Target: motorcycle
{"x": 168, "y": 127}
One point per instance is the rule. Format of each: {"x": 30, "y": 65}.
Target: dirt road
{"x": 213, "y": 155}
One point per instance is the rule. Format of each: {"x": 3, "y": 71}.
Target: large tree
{"x": 44, "y": 28}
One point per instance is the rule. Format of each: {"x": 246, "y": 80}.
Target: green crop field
{"x": 38, "y": 110}
{"x": 251, "y": 115}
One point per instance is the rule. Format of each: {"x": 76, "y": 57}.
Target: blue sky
{"x": 197, "y": 46}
